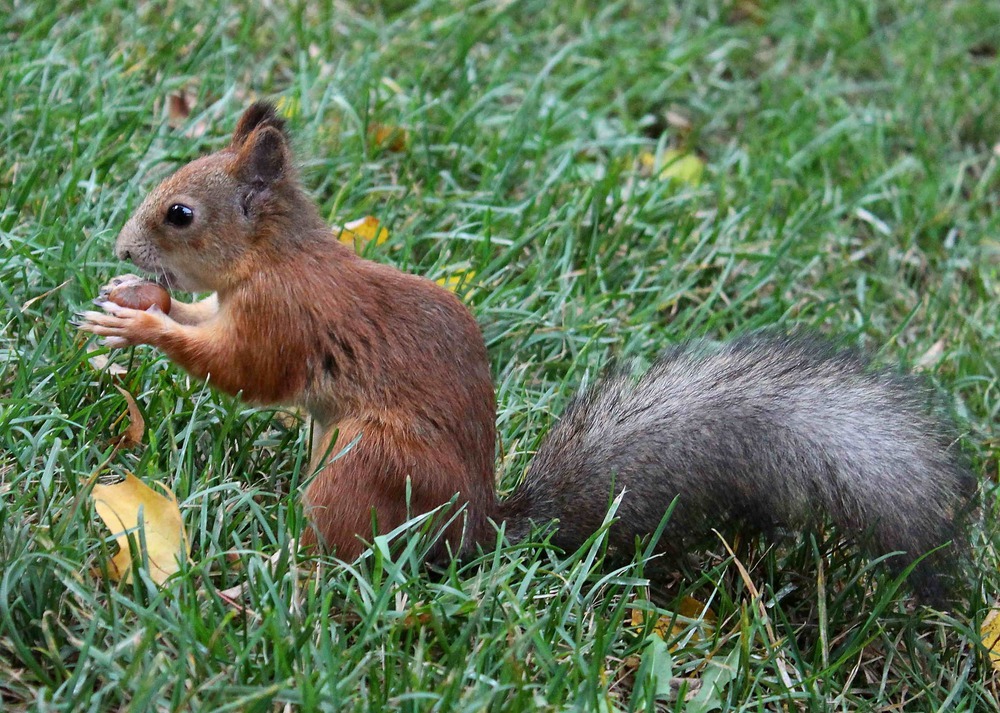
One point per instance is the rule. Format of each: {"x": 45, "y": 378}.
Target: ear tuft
{"x": 257, "y": 115}
{"x": 263, "y": 158}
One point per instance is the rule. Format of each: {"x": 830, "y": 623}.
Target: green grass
{"x": 851, "y": 187}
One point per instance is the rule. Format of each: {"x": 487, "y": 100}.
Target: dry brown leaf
{"x": 179, "y": 106}
{"x": 419, "y": 615}
{"x": 130, "y": 504}
{"x": 386, "y": 136}
{"x": 137, "y": 424}
{"x": 747, "y": 11}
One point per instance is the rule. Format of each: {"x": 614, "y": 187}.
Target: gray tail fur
{"x": 766, "y": 432}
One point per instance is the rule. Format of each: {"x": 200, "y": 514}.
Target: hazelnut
{"x": 140, "y": 295}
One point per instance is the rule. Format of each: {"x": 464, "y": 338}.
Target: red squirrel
{"x": 766, "y": 432}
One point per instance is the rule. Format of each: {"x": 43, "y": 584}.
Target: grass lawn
{"x": 851, "y": 170}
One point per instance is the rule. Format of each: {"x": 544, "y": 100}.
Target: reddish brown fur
{"x": 385, "y": 358}
{"x": 397, "y": 368}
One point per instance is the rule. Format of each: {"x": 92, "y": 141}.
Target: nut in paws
{"x": 121, "y": 326}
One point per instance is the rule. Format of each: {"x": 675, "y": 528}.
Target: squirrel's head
{"x": 195, "y": 230}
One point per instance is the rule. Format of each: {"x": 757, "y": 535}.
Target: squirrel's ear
{"x": 263, "y": 157}
{"x": 257, "y": 115}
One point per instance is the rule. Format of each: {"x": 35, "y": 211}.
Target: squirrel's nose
{"x": 123, "y": 249}
{"x": 126, "y": 241}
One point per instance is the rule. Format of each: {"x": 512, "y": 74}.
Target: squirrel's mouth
{"x": 156, "y": 272}
{"x": 165, "y": 279}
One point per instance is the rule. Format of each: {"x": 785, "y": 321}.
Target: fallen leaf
{"x": 136, "y": 423}
{"x": 678, "y": 120}
{"x": 358, "y": 232}
{"x": 747, "y": 11}
{"x": 288, "y": 107}
{"x": 386, "y": 136}
{"x": 689, "y": 608}
{"x": 990, "y": 632}
{"x": 154, "y": 520}
{"x": 456, "y": 279}
{"x": 101, "y": 362}
{"x": 930, "y": 357}
{"x": 693, "y": 609}
{"x": 673, "y": 165}
{"x": 179, "y": 106}
{"x": 419, "y": 615}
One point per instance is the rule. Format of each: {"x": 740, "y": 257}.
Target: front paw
{"x": 122, "y": 327}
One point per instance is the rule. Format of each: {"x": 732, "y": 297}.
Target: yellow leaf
{"x": 689, "y": 608}
{"x": 990, "y": 632}
{"x": 693, "y": 609}
{"x": 358, "y": 232}
{"x": 393, "y": 138}
{"x": 288, "y": 107}
{"x": 456, "y": 279}
{"x": 122, "y": 506}
{"x": 672, "y": 164}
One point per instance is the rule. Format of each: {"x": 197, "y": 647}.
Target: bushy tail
{"x": 765, "y": 432}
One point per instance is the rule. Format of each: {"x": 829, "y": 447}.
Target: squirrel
{"x": 769, "y": 431}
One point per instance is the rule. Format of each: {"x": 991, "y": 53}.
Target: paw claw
{"x": 110, "y": 307}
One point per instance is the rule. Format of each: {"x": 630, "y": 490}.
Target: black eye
{"x": 179, "y": 215}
